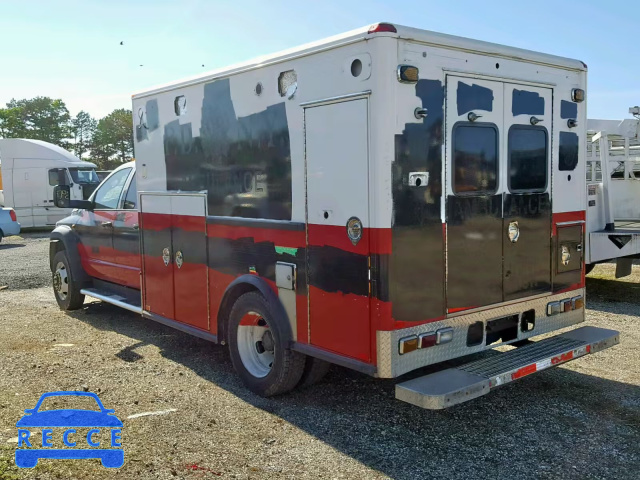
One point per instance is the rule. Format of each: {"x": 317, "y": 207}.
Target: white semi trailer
{"x": 30, "y": 169}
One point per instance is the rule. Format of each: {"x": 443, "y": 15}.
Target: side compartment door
{"x": 474, "y": 118}
{"x": 189, "y": 247}
{"x": 157, "y": 261}
{"x": 337, "y": 170}
{"x": 527, "y": 200}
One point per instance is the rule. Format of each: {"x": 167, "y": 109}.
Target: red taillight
{"x": 12, "y": 214}
{"x": 382, "y": 27}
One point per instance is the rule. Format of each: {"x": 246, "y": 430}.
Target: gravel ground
{"x": 24, "y": 261}
{"x": 581, "y": 420}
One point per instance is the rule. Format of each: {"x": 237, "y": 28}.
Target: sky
{"x": 70, "y": 49}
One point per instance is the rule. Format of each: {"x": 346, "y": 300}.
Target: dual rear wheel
{"x": 260, "y": 353}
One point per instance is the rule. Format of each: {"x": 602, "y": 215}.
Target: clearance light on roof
{"x": 382, "y": 27}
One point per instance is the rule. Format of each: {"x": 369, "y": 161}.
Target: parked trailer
{"x": 30, "y": 170}
{"x": 613, "y": 192}
{"x": 384, "y": 200}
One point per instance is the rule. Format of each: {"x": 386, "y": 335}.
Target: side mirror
{"x": 62, "y": 196}
{"x": 62, "y": 199}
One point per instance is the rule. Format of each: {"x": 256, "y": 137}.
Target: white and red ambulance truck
{"x": 385, "y": 199}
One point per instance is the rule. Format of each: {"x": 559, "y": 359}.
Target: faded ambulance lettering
{"x": 243, "y": 162}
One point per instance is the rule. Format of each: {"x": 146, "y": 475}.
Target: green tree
{"x": 39, "y": 118}
{"x": 84, "y": 127}
{"x": 113, "y": 139}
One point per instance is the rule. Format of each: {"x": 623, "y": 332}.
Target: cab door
{"x": 527, "y": 197}
{"x": 126, "y": 237}
{"x": 474, "y": 193}
{"x": 95, "y": 228}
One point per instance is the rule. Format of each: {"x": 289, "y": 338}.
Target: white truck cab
{"x": 30, "y": 170}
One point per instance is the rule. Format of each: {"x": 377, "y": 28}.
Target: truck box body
{"x": 30, "y": 170}
{"x": 467, "y": 181}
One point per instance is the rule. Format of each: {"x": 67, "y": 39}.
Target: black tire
{"x": 287, "y": 366}
{"x": 314, "y": 371}
{"x": 588, "y": 268}
{"x": 73, "y": 299}
{"x": 1, "y": 235}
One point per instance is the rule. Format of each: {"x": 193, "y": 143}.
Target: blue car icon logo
{"x": 105, "y": 429}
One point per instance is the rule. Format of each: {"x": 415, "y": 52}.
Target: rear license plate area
{"x": 502, "y": 329}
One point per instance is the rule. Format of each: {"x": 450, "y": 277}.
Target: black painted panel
{"x": 568, "y": 151}
{"x": 334, "y": 270}
{"x": 526, "y": 103}
{"x": 193, "y": 245}
{"x": 527, "y": 262}
{"x": 243, "y": 162}
{"x": 474, "y": 251}
{"x": 416, "y": 267}
{"x": 155, "y": 241}
{"x": 126, "y": 238}
{"x": 471, "y": 97}
{"x": 568, "y": 109}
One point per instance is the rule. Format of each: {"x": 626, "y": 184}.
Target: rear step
{"x": 457, "y": 385}
{"x": 131, "y": 304}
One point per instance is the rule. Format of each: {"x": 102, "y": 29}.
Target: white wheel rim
{"x": 252, "y": 340}
{"x": 61, "y": 281}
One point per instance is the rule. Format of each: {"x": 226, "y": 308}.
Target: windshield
{"x": 84, "y": 175}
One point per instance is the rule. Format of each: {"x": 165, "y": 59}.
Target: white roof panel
{"x": 407, "y": 33}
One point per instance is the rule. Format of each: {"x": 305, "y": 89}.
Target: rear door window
{"x": 475, "y": 159}
{"x": 528, "y": 153}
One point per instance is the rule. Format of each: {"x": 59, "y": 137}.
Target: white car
{"x": 8, "y": 223}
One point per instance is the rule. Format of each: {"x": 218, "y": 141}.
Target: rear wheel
{"x": 588, "y": 268}
{"x": 65, "y": 288}
{"x": 257, "y": 344}
{"x": 314, "y": 370}
{"x": 1, "y": 235}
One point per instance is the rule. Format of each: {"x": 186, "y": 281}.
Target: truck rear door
{"x": 498, "y": 205}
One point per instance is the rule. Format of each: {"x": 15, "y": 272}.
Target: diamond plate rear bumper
{"x": 391, "y": 364}
{"x": 457, "y": 385}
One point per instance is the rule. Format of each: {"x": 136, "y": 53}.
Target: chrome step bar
{"x": 112, "y": 298}
{"x": 457, "y": 385}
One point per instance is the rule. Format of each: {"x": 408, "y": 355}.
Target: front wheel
{"x": 65, "y": 288}
{"x": 258, "y": 347}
